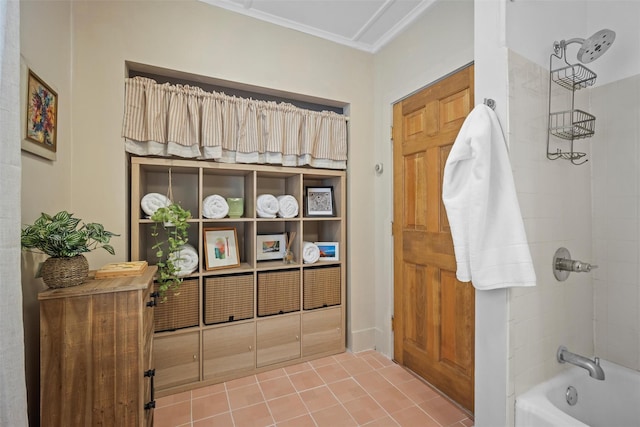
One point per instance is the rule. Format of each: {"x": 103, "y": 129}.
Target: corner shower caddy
{"x": 570, "y": 124}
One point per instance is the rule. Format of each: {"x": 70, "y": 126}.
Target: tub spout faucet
{"x": 592, "y": 366}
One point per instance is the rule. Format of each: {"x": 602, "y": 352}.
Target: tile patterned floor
{"x": 362, "y": 389}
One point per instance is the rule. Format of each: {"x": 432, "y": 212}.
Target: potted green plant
{"x": 65, "y": 238}
{"x": 170, "y": 233}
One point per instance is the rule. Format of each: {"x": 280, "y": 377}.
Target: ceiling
{"x": 362, "y": 24}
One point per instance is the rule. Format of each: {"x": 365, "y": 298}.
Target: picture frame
{"x": 40, "y": 117}
{"x": 319, "y": 201}
{"x": 270, "y": 246}
{"x": 329, "y": 251}
{"x": 221, "y": 248}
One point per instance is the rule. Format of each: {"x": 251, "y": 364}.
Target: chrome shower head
{"x": 591, "y": 48}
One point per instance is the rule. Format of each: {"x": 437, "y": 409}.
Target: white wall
{"x": 533, "y": 26}
{"x": 555, "y": 196}
{"x": 616, "y": 219}
{"x": 491, "y": 306}
{"x": 555, "y": 200}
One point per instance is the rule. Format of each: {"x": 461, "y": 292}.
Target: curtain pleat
{"x": 13, "y": 382}
{"x": 181, "y": 120}
{"x": 211, "y": 121}
{"x": 183, "y": 125}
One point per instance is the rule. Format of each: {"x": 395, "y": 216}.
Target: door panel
{"x": 434, "y": 312}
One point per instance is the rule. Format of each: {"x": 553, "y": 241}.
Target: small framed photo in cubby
{"x": 270, "y": 246}
{"x": 328, "y": 251}
{"x": 319, "y": 201}
{"x": 221, "y": 248}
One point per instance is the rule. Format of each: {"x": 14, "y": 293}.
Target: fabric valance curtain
{"x": 186, "y": 121}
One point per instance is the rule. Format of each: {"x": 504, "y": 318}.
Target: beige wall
{"x": 45, "y": 46}
{"x": 94, "y": 39}
{"x": 430, "y": 49}
{"x": 193, "y": 37}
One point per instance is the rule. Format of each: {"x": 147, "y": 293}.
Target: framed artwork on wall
{"x": 221, "y": 248}
{"x": 40, "y": 118}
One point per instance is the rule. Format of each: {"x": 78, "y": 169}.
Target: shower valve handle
{"x": 563, "y": 265}
{"x": 574, "y": 265}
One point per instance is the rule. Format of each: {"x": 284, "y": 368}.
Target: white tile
{"x": 622, "y": 304}
{"x": 623, "y": 251}
{"x": 622, "y": 228}
{"x": 622, "y": 272}
{"x": 622, "y": 346}
{"x": 622, "y": 206}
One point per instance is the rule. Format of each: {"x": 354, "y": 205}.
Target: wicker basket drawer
{"x": 178, "y": 311}
{"x": 278, "y": 292}
{"x": 321, "y": 287}
{"x": 228, "y": 298}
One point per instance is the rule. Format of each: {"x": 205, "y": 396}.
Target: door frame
{"x": 491, "y": 308}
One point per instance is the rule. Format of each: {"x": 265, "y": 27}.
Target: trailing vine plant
{"x": 170, "y": 232}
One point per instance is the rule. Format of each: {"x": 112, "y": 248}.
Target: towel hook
{"x": 490, "y": 103}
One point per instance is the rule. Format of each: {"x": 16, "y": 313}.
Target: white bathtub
{"x": 614, "y": 402}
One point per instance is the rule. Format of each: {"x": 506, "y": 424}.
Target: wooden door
{"x": 433, "y": 312}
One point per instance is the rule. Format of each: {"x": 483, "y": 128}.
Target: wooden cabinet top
{"x": 98, "y": 286}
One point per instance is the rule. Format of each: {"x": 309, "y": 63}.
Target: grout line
{"x": 226, "y": 394}
{"x": 340, "y": 402}
{"x": 264, "y": 400}
{"x": 333, "y": 362}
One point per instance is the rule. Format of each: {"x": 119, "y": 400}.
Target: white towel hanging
{"x": 479, "y": 195}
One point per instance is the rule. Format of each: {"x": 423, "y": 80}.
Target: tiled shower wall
{"x": 555, "y": 200}
{"x": 615, "y": 180}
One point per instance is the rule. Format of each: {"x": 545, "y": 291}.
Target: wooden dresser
{"x": 96, "y": 353}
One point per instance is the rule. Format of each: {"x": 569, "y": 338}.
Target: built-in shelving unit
{"x": 232, "y": 322}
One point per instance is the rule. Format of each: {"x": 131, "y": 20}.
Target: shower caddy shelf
{"x": 574, "y": 77}
{"x": 570, "y": 124}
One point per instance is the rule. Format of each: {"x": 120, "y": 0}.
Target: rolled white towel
{"x": 185, "y": 259}
{"x": 310, "y": 252}
{"x": 152, "y": 202}
{"x": 287, "y": 206}
{"x": 214, "y": 206}
{"x": 267, "y": 206}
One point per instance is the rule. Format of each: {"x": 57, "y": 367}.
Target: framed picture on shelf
{"x": 319, "y": 201}
{"x": 270, "y": 246}
{"x": 221, "y": 248}
{"x": 328, "y": 251}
